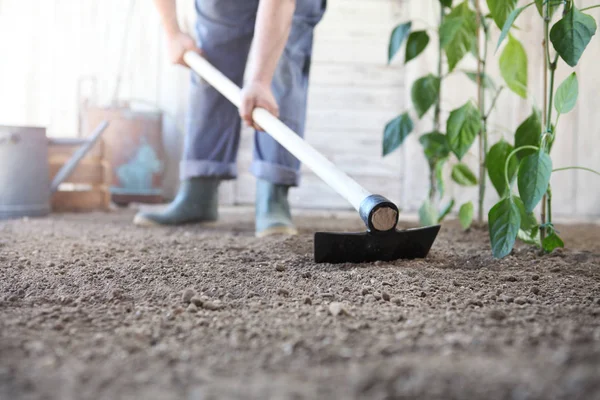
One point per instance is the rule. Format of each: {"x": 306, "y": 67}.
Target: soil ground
{"x": 92, "y": 307}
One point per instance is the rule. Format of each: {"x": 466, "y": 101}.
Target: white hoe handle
{"x": 321, "y": 166}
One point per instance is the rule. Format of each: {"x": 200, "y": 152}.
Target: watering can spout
{"x": 70, "y": 165}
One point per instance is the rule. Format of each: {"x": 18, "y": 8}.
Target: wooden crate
{"x": 88, "y": 187}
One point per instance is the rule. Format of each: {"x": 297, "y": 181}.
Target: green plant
{"x": 529, "y": 161}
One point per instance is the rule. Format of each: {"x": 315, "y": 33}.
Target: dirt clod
{"x": 187, "y": 295}
{"x": 212, "y": 305}
{"x": 337, "y": 308}
{"x": 197, "y": 301}
{"x": 535, "y": 290}
{"x": 192, "y": 308}
{"x": 307, "y": 300}
{"x": 385, "y": 296}
{"x": 283, "y": 292}
{"x": 497, "y": 315}
{"x": 520, "y": 300}
{"x": 280, "y": 267}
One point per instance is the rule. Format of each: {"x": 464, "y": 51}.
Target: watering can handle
{"x": 81, "y": 152}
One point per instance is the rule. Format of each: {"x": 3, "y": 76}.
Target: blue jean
{"x": 224, "y": 32}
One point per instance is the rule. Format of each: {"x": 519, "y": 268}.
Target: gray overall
{"x": 224, "y": 32}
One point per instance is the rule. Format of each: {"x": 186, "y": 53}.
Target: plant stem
{"x": 547, "y": 110}
{"x": 590, "y": 7}
{"x": 483, "y": 140}
{"x": 437, "y": 113}
{"x": 512, "y": 153}
{"x": 581, "y": 168}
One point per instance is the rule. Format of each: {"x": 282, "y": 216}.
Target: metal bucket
{"x": 25, "y": 186}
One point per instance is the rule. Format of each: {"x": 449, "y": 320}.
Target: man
{"x": 281, "y": 35}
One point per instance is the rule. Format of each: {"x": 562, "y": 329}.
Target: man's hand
{"x": 179, "y": 43}
{"x": 257, "y": 94}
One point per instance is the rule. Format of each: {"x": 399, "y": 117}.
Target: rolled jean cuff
{"x": 209, "y": 169}
{"x": 274, "y": 173}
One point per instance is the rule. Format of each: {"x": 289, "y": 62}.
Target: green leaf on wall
{"x": 395, "y": 132}
{"x": 462, "y": 128}
{"x": 487, "y": 81}
{"x": 465, "y": 215}
{"x": 510, "y": 20}
{"x": 566, "y": 94}
{"x": 397, "y": 37}
{"x": 458, "y": 33}
{"x": 500, "y": 10}
{"x": 446, "y": 210}
{"x": 446, "y": 3}
{"x": 571, "y": 35}
{"x": 435, "y": 146}
{"x": 513, "y": 67}
{"x": 462, "y": 174}
{"x": 424, "y": 93}
{"x": 416, "y": 43}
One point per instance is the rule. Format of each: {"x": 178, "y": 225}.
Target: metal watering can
{"x": 25, "y": 186}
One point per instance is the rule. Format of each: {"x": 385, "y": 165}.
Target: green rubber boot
{"x": 196, "y": 201}
{"x": 273, "y": 215}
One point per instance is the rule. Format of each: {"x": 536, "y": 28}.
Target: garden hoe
{"x": 382, "y": 241}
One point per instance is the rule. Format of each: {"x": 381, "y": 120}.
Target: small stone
{"x": 520, "y": 300}
{"x": 212, "y": 305}
{"x": 422, "y": 294}
{"x": 397, "y": 301}
{"x": 307, "y": 300}
{"x": 176, "y": 311}
{"x": 498, "y": 315}
{"x": 385, "y": 283}
{"x": 346, "y": 289}
{"x": 535, "y": 290}
{"x": 58, "y": 326}
{"x": 508, "y": 299}
{"x": 192, "y": 308}
{"x": 365, "y": 291}
{"x": 327, "y": 295}
{"x": 385, "y": 296}
{"x": 598, "y": 301}
{"x": 283, "y": 292}
{"x": 401, "y": 318}
{"x": 475, "y": 302}
{"x": 535, "y": 277}
{"x": 336, "y": 309}
{"x": 377, "y": 295}
{"x": 197, "y": 301}
{"x": 455, "y": 283}
{"x": 280, "y": 267}
{"x": 510, "y": 278}
{"x": 187, "y": 295}
{"x": 306, "y": 274}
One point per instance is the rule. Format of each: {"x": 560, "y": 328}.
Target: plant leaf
{"x": 395, "y": 132}
{"x": 462, "y": 128}
{"x": 435, "y": 146}
{"x": 462, "y": 174}
{"x": 529, "y": 238}
{"x": 446, "y": 3}
{"x": 465, "y": 215}
{"x": 488, "y": 82}
{"x": 460, "y": 26}
{"x": 513, "y": 67}
{"x": 541, "y": 4}
{"x": 510, "y": 20}
{"x": 504, "y": 222}
{"x": 571, "y": 35}
{"x": 416, "y": 43}
{"x": 397, "y": 37}
{"x": 500, "y": 10}
{"x": 446, "y": 210}
{"x": 566, "y": 94}
{"x": 495, "y": 163}
{"x": 551, "y": 242}
{"x": 533, "y": 178}
{"x": 528, "y": 220}
{"x": 529, "y": 133}
{"x": 425, "y": 93}
{"x": 428, "y": 215}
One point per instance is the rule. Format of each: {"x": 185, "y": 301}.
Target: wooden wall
{"x": 47, "y": 45}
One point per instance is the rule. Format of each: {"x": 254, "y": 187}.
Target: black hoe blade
{"x": 368, "y": 247}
